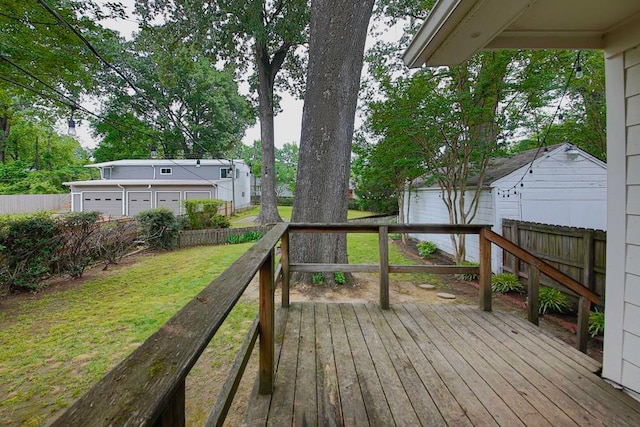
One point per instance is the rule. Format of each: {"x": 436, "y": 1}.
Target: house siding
{"x": 621, "y": 362}
{"x": 631, "y": 334}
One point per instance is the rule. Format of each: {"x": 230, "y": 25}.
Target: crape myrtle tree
{"x": 338, "y": 30}
{"x": 260, "y": 39}
{"x": 35, "y": 43}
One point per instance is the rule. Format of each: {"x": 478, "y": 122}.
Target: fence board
{"x": 580, "y": 253}
{"x": 210, "y": 237}
{"x": 28, "y": 203}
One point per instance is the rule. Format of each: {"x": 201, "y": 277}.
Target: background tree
{"x": 182, "y": 102}
{"x": 256, "y": 36}
{"x": 286, "y": 168}
{"x": 338, "y": 31}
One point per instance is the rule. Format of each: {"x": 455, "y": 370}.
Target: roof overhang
{"x": 456, "y": 29}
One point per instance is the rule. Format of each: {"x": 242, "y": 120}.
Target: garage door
{"x": 106, "y": 202}
{"x": 138, "y": 201}
{"x": 169, "y": 199}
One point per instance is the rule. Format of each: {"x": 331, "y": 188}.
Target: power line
{"x": 94, "y": 51}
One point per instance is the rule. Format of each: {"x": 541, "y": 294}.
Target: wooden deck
{"x": 430, "y": 365}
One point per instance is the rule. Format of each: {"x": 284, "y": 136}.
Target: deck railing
{"x": 148, "y": 387}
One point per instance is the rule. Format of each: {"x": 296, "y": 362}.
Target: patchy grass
{"x": 363, "y": 249}
{"x": 55, "y": 346}
{"x": 285, "y": 213}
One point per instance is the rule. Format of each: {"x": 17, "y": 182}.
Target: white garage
{"x": 107, "y": 202}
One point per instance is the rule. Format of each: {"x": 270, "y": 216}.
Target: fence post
{"x": 383, "y": 237}
{"x": 533, "y": 288}
{"x": 584, "y": 309}
{"x": 284, "y": 260}
{"x": 266, "y": 362}
{"x": 589, "y": 260}
{"x": 485, "y": 271}
{"x": 173, "y": 413}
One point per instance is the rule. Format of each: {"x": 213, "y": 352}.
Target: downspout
{"x": 154, "y": 171}
{"x": 124, "y": 200}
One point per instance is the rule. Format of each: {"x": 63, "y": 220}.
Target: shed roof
{"x": 164, "y": 162}
{"x": 138, "y": 182}
{"x": 499, "y": 167}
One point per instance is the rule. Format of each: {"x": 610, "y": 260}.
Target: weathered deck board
{"x": 354, "y": 364}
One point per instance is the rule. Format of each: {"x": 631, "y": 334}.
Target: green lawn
{"x": 56, "y": 345}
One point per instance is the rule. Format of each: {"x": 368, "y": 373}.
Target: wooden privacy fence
{"x": 580, "y": 253}
{"x": 148, "y": 387}
{"x": 28, "y": 203}
{"x": 211, "y": 237}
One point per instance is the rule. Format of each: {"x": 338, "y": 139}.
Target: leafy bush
{"x": 317, "y": 278}
{"x": 552, "y": 300}
{"x": 426, "y": 249}
{"x": 203, "y": 213}
{"x": 505, "y": 282}
{"x": 28, "y": 247}
{"x": 596, "y": 323}
{"x": 469, "y": 277}
{"x": 158, "y": 228}
{"x": 339, "y": 278}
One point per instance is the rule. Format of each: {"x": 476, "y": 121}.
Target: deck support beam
{"x": 485, "y": 271}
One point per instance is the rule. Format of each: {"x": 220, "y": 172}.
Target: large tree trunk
{"x": 338, "y": 31}
{"x": 5, "y": 127}
{"x": 267, "y": 70}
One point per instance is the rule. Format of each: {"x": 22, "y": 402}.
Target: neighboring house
{"x": 567, "y": 186}
{"x": 456, "y": 29}
{"x": 127, "y": 187}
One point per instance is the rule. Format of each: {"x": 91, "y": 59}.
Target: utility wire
{"x": 115, "y": 69}
{"x": 73, "y": 104}
{"x": 26, "y": 21}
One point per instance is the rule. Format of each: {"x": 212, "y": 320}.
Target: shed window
{"x": 165, "y": 171}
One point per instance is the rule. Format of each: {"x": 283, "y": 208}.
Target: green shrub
{"x": 317, "y": 278}
{"x": 28, "y": 250}
{"x": 552, "y": 300}
{"x": 339, "y": 278}
{"x": 249, "y": 236}
{"x": 596, "y": 323}
{"x": 203, "y": 213}
{"x": 158, "y": 228}
{"x": 469, "y": 277}
{"x": 505, "y": 282}
{"x": 426, "y": 249}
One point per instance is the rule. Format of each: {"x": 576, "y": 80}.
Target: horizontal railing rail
{"x": 148, "y": 387}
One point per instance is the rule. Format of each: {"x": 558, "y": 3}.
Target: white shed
{"x": 562, "y": 185}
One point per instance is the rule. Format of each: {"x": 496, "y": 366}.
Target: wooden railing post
{"x": 533, "y": 288}
{"x": 584, "y": 309}
{"x": 173, "y": 413}
{"x": 383, "y": 235}
{"x": 284, "y": 260}
{"x": 485, "y": 271}
{"x": 515, "y": 238}
{"x": 267, "y": 333}
{"x": 588, "y": 276}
